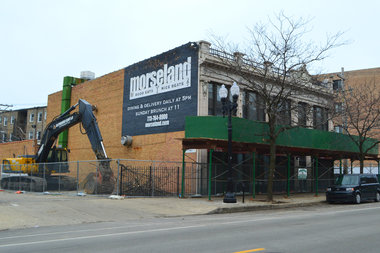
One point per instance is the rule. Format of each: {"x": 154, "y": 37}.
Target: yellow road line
{"x": 251, "y": 250}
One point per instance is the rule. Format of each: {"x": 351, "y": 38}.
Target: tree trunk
{"x": 361, "y": 164}
{"x": 272, "y": 166}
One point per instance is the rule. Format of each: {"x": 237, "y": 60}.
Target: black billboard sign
{"x": 159, "y": 92}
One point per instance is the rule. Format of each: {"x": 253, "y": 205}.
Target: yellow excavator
{"x": 36, "y": 172}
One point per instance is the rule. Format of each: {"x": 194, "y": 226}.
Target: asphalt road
{"x": 325, "y": 228}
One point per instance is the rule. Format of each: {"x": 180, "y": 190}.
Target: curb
{"x": 239, "y": 209}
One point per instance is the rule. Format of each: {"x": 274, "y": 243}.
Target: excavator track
{"x": 24, "y": 183}
{"x": 38, "y": 184}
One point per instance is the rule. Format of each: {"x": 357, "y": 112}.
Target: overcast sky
{"x": 44, "y": 40}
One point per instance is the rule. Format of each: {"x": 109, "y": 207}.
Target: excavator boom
{"x": 67, "y": 120}
{"x": 64, "y": 121}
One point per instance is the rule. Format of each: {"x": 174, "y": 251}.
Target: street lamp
{"x": 229, "y": 107}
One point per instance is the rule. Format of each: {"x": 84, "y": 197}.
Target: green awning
{"x": 248, "y": 135}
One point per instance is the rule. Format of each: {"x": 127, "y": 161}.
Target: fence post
{"x": 59, "y": 177}
{"x": 288, "y": 177}
{"x": 121, "y": 181}
{"x": 19, "y": 178}
{"x": 118, "y": 174}
{"x": 254, "y": 175}
{"x": 316, "y": 175}
{"x": 77, "y": 177}
{"x": 31, "y": 174}
{"x": 153, "y": 178}
{"x": 150, "y": 181}
{"x": 209, "y": 175}
{"x": 96, "y": 177}
{"x": 43, "y": 185}
{"x": 183, "y": 173}
{"x": 178, "y": 181}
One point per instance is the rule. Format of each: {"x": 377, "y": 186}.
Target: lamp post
{"x": 229, "y": 107}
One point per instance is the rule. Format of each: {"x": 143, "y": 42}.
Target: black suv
{"x": 354, "y": 188}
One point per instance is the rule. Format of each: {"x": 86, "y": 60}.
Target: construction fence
{"x": 161, "y": 178}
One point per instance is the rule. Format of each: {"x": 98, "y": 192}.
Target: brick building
{"x": 156, "y": 122}
{"x": 150, "y": 101}
{"x": 22, "y": 124}
{"x": 355, "y": 80}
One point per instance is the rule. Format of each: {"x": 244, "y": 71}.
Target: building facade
{"x": 22, "y": 124}
{"x": 346, "y": 81}
{"x": 148, "y": 101}
{"x": 142, "y": 112}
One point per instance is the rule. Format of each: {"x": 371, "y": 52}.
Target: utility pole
{"x": 342, "y": 78}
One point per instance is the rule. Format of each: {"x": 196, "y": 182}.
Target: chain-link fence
{"x": 152, "y": 178}
{"x": 128, "y": 177}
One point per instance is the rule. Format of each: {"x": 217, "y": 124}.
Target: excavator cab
{"x": 57, "y": 160}
{"x": 57, "y": 155}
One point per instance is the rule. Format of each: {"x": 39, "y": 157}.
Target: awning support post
{"x": 316, "y": 175}
{"x": 209, "y": 174}
{"x": 288, "y": 178}
{"x": 183, "y": 173}
{"x": 254, "y": 175}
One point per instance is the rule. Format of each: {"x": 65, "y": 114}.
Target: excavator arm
{"x": 100, "y": 183}
{"x": 67, "y": 120}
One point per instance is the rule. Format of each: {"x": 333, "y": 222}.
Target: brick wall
{"x": 16, "y": 148}
{"x": 360, "y": 77}
{"x": 355, "y": 79}
{"x": 106, "y": 93}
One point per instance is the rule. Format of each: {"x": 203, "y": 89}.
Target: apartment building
{"x": 22, "y": 124}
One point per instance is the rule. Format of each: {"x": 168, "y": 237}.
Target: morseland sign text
{"x": 160, "y": 92}
{"x": 167, "y": 79}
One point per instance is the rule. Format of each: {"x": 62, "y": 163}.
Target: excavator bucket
{"x": 102, "y": 182}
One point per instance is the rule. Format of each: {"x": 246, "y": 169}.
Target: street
{"x": 323, "y": 228}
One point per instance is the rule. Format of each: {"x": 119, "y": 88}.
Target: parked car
{"x": 354, "y": 188}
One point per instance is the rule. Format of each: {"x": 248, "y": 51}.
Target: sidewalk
{"x": 36, "y": 209}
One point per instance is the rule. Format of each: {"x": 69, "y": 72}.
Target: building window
{"x": 338, "y": 129}
{"x": 1, "y": 119}
{"x": 338, "y": 108}
{"x": 320, "y": 118}
{"x": 39, "y": 135}
{"x": 31, "y": 135}
{"x": 31, "y": 117}
{"x": 302, "y": 114}
{"x": 337, "y": 85}
{"x": 5, "y": 121}
{"x": 45, "y": 115}
{"x": 12, "y": 120}
{"x": 284, "y": 116}
{"x": 214, "y": 101}
{"x": 4, "y": 137}
{"x": 10, "y": 137}
{"x": 39, "y": 118}
{"x": 253, "y": 107}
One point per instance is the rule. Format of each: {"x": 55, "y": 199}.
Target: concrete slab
{"x": 36, "y": 209}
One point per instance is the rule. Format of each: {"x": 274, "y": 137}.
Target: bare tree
{"x": 361, "y": 116}
{"x": 274, "y": 65}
